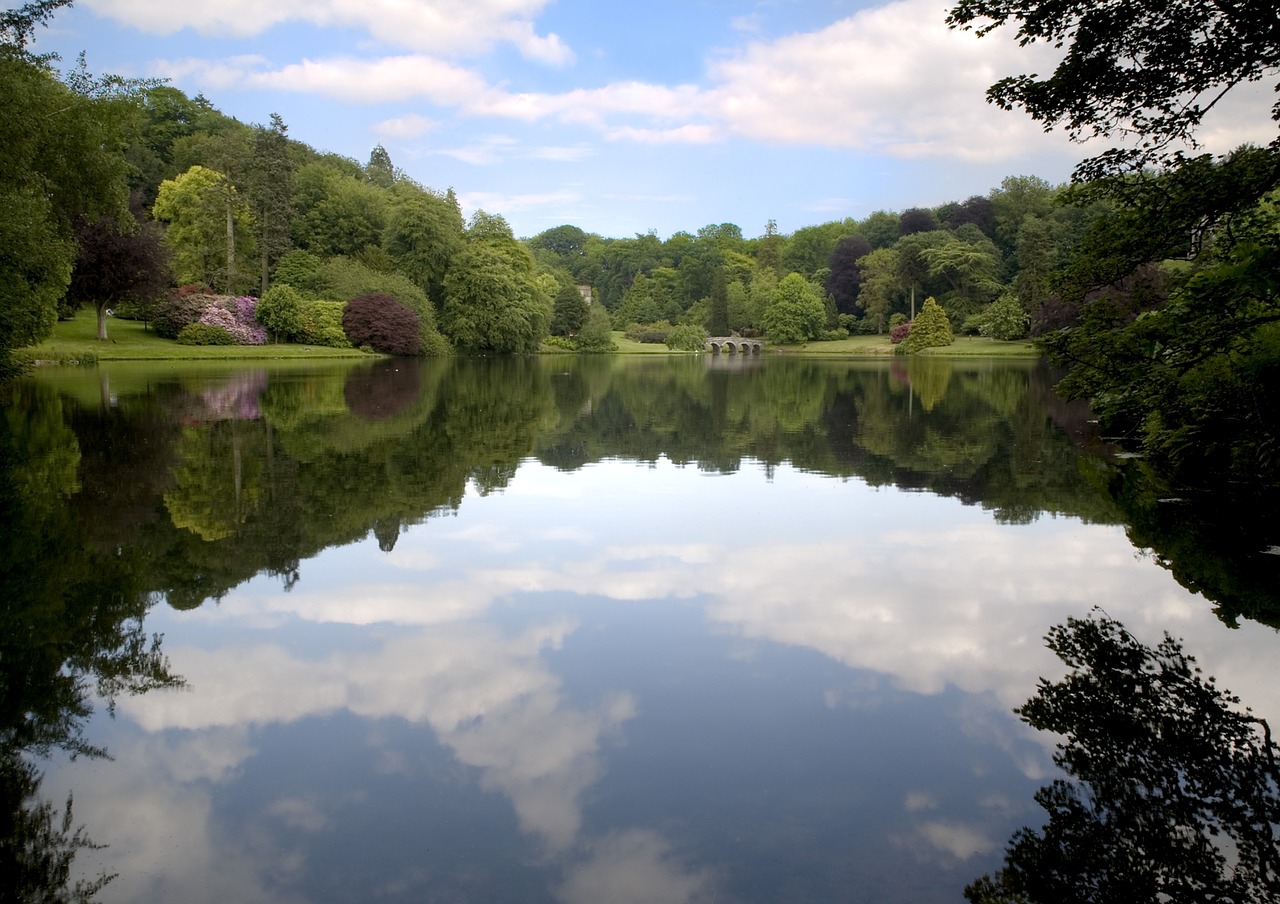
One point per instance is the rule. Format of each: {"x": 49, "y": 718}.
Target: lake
{"x": 668, "y": 629}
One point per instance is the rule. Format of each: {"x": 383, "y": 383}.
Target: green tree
{"x": 1134, "y": 69}
{"x": 718, "y": 324}
{"x": 269, "y": 185}
{"x": 881, "y": 293}
{"x": 338, "y": 212}
{"x": 423, "y": 233}
{"x": 1171, "y": 792}
{"x": 379, "y": 170}
{"x": 930, "y": 329}
{"x": 569, "y": 312}
{"x": 493, "y": 303}
{"x": 63, "y": 163}
{"x": 193, "y": 208}
{"x": 795, "y": 313}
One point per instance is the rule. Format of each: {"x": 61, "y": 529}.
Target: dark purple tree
{"x": 976, "y": 210}
{"x": 383, "y": 324}
{"x": 917, "y": 219}
{"x": 116, "y": 264}
{"x": 844, "y": 281}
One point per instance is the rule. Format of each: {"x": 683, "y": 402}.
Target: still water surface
{"x": 567, "y": 630}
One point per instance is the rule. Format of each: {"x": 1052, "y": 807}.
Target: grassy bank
{"x": 75, "y": 342}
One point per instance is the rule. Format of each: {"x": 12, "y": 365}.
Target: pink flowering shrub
{"x": 235, "y": 315}
{"x": 900, "y": 332}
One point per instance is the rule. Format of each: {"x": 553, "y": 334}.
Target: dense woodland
{"x": 1155, "y": 277}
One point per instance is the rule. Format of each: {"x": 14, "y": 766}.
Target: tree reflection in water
{"x": 71, "y": 624}
{"x": 1172, "y": 793}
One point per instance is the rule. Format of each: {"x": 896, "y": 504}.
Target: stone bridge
{"x": 731, "y": 344}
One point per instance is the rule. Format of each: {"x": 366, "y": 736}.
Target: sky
{"x": 619, "y": 118}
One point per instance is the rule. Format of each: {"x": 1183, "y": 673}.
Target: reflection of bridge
{"x": 731, "y": 344}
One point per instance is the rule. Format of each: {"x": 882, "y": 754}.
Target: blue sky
{"x": 620, "y": 118}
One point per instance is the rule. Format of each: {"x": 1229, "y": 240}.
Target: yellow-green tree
{"x": 209, "y": 227}
{"x": 930, "y": 329}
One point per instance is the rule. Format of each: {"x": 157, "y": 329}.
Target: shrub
{"x": 322, "y": 324}
{"x": 899, "y": 332}
{"x": 561, "y": 342}
{"x": 205, "y": 334}
{"x": 930, "y": 329}
{"x": 1003, "y": 319}
{"x": 179, "y": 309}
{"x": 897, "y": 319}
{"x": 651, "y": 333}
{"x": 280, "y": 312}
{"x": 596, "y": 335}
{"x": 687, "y": 337}
{"x": 236, "y": 316}
{"x": 383, "y": 324}
{"x": 836, "y": 334}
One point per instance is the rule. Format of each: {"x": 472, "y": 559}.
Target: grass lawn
{"x": 74, "y": 341}
{"x": 964, "y": 346}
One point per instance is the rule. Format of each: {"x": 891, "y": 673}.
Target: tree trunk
{"x": 102, "y": 322}
{"x": 231, "y": 240}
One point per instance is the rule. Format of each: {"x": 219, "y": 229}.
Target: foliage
{"x": 1172, "y": 793}
{"x": 1131, "y": 69}
{"x": 899, "y": 332}
{"x": 423, "y": 233}
{"x": 269, "y": 185}
{"x": 337, "y": 212}
{"x": 1185, "y": 360}
{"x": 655, "y": 333}
{"x": 492, "y": 301}
{"x": 596, "y": 335}
{"x": 930, "y": 329}
{"x": 235, "y": 315}
{"x": 383, "y": 324}
{"x": 62, "y": 164}
{"x": 280, "y": 313}
{"x": 1003, "y": 319}
{"x": 795, "y": 313}
{"x": 321, "y": 323}
{"x": 200, "y": 208}
{"x": 569, "y": 312}
{"x": 686, "y": 337}
{"x": 183, "y": 306}
{"x": 200, "y": 333}
{"x": 844, "y": 280}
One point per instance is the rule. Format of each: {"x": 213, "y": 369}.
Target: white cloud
{"x": 446, "y": 27}
{"x": 635, "y": 867}
{"x": 410, "y": 125}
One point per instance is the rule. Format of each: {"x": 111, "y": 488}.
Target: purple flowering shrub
{"x": 235, "y": 315}
{"x": 899, "y": 332}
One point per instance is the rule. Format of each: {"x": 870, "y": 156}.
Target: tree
{"x": 881, "y": 293}
{"x": 769, "y": 249}
{"x": 270, "y": 189}
{"x": 1148, "y": 70}
{"x": 930, "y": 329}
{"x": 1172, "y": 793}
{"x": 718, "y": 324}
{"x": 844, "y": 281}
{"x": 380, "y": 171}
{"x": 382, "y": 323}
{"x": 116, "y": 264}
{"x": 194, "y": 208}
{"x": 917, "y": 219}
{"x": 795, "y": 313}
{"x": 492, "y": 300}
{"x": 63, "y": 163}
{"x": 569, "y": 312}
{"x": 423, "y": 233}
